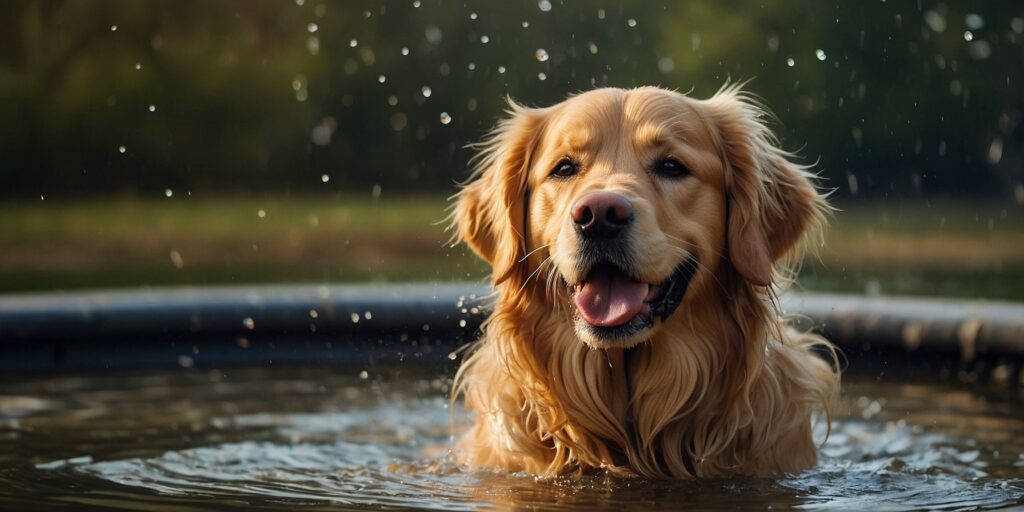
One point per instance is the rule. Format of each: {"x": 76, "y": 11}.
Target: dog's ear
{"x": 772, "y": 202}
{"x": 491, "y": 209}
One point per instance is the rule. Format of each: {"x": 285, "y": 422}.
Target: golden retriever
{"x": 637, "y": 238}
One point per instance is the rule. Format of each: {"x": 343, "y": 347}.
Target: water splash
{"x": 373, "y": 442}
{"x": 380, "y": 457}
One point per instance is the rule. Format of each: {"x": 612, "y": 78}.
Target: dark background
{"x": 189, "y": 142}
{"x": 254, "y": 95}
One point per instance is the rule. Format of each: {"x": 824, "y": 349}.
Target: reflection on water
{"x": 325, "y": 440}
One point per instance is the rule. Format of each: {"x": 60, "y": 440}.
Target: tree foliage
{"x": 889, "y": 97}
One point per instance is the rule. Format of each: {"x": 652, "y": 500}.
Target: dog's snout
{"x": 602, "y": 214}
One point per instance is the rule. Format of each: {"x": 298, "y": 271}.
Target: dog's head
{"x": 627, "y": 204}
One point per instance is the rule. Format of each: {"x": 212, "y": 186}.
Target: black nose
{"x": 602, "y": 214}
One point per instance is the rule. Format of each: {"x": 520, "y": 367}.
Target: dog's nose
{"x": 602, "y": 214}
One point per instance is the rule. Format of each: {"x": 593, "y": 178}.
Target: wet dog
{"x": 636, "y": 239}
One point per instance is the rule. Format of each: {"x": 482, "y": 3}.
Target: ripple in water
{"x": 393, "y": 456}
{"x": 328, "y": 440}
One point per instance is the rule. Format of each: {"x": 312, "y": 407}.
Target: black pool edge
{"x": 352, "y": 324}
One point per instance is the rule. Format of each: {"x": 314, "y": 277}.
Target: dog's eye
{"x": 669, "y": 167}
{"x": 565, "y": 168}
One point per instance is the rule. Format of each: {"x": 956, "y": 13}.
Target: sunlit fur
{"x": 723, "y": 385}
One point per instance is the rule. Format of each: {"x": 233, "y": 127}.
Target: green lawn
{"x": 946, "y": 248}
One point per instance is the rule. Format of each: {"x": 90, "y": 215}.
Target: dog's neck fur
{"x": 696, "y": 400}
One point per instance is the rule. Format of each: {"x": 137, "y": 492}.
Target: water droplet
{"x": 541, "y": 54}
{"x": 544, "y": 5}
{"x": 368, "y": 315}
{"x": 121, "y": 149}
{"x": 445, "y": 118}
{"x": 790, "y": 62}
{"x": 113, "y": 28}
{"x": 593, "y": 48}
{"x": 399, "y": 121}
{"x": 542, "y": 76}
{"x": 176, "y": 259}
{"x": 168, "y": 192}
{"x": 426, "y": 91}
{"x": 974, "y": 21}
{"x": 471, "y": 66}
{"x": 138, "y": 66}
{"x": 312, "y": 27}
{"x": 152, "y": 108}
{"x": 364, "y": 375}
{"x": 325, "y": 178}
{"x": 462, "y": 322}
{"x": 392, "y": 100}
{"x": 666, "y": 64}
{"x": 484, "y": 39}
{"x": 354, "y": 317}
{"x": 820, "y": 54}
{"x": 968, "y": 35}
{"x": 433, "y": 34}
{"x": 382, "y": 79}
{"x": 452, "y": 356}
{"x": 935, "y": 21}
{"x": 472, "y": 15}
{"x": 631, "y": 22}
{"x": 501, "y": 70}
{"x": 313, "y": 313}
{"x": 249, "y": 323}
{"x": 416, "y": 4}
{"x": 353, "y": 43}
{"x": 995, "y": 151}
{"x": 526, "y": 24}
{"x": 261, "y": 213}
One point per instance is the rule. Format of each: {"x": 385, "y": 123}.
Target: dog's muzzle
{"x": 611, "y": 304}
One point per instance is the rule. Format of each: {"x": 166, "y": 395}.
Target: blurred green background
{"x": 169, "y": 142}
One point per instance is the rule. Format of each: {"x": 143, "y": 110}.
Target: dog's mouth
{"x": 609, "y": 299}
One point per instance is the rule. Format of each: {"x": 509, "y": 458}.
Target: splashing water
{"x": 325, "y": 438}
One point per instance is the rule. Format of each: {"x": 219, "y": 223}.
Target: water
{"x": 334, "y": 439}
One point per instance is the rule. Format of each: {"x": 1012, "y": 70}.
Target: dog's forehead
{"x": 645, "y": 116}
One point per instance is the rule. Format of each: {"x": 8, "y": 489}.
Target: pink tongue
{"x": 610, "y": 298}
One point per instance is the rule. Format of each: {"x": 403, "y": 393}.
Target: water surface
{"x": 333, "y": 439}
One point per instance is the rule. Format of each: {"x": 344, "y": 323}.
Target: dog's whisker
{"x": 534, "y": 273}
{"x": 685, "y": 253}
{"x": 689, "y": 255}
{"x": 552, "y": 288}
{"x": 545, "y": 246}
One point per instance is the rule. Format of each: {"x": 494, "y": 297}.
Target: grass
{"x": 948, "y": 248}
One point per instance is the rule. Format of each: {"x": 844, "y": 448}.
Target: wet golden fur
{"x": 723, "y": 385}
